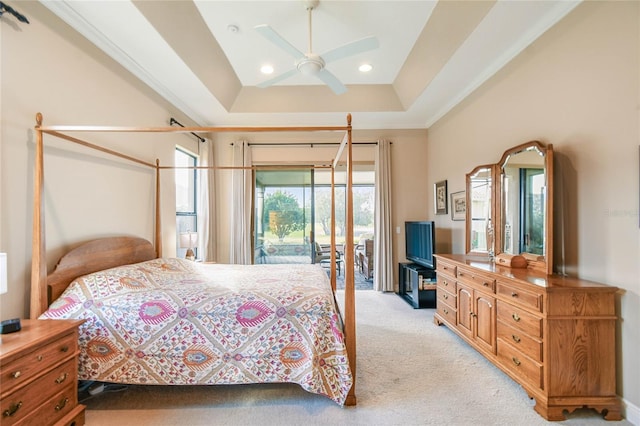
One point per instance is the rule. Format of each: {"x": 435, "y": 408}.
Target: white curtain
{"x": 383, "y": 270}
{"x": 206, "y": 204}
{"x": 241, "y": 206}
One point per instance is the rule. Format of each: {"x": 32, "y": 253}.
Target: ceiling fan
{"x": 311, "y": 63}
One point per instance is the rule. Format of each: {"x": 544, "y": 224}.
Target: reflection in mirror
{"x": 479, "y": 210}
{"x": 524, "y": 186}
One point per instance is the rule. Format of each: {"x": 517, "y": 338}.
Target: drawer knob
{"x": 61, "y": 404}
{"x": 13, "y": 408}
{"x": 16, "y": 374}
{"x": 445, "y": 297}
{"x": 64, "y": 349}
{"x": 61, "y": 378}
{"x": 445, "y": 282}
{"x": 486, "y": 284}
{"x": 446, "y": 312}
{"x": 39, "y": 358}
{"x": 514, "y": 294}
{"x": 515, "y": 317}
{"x": 516, "y": 361}
{"x": 515, "y": 338}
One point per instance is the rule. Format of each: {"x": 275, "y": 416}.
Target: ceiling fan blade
{"x": 331, "y": 81}
{"x": 269, "y": 33}
{"x": 349, "y": 49}
{"x": 277, "y": 79}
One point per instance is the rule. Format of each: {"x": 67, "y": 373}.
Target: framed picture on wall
{"x": 440, "y": 197}
{"x": 458, "y": 206}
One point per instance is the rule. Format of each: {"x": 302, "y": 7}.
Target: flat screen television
{"x": 420, "y": 241}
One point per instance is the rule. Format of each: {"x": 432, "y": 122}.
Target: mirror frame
{"x": 536, "y": 262}
{"x": 542, "y": 263}
{"x": 493, "y": 169}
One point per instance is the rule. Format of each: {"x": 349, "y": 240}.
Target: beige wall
{"x": 48, "y": 69}
{"x": 576, "y": 88}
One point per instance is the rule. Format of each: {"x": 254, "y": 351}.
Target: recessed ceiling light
{"x": 365, "y": 68}
{"x": 266, "y": 69}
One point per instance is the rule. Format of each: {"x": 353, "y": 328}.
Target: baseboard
{"x": 631, "y": 412}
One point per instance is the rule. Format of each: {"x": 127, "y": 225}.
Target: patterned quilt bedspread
{"x": 176, "y": 322}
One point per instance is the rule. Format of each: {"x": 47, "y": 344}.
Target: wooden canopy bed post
{"x": 128, "y": 250}
{"x": 349, "y": 290}
{"x": 158, "y": 236}
{"x": 38, "y": 302}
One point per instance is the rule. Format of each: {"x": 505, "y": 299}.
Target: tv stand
{"x": 417, "y": 285}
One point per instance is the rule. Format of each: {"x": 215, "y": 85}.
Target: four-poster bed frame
{"x": 125, "y": 250}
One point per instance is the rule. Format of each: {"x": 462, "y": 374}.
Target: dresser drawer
{"x": 525, "y": 368}
{"x": 521, "y": 341}
{"x": 446, "y": 268}
{"x": 525, "y": 298}
{"x": 25, "y": 400}
{"x": 446, "y": 283}
{"x": 519, "y": 319}
{"x": 476, "y": 279}
{"x": 446, "y": 298}
{"x": 23, "y": 369}
{"x": 53, "y": 409}
{"x": 447, "y": 313}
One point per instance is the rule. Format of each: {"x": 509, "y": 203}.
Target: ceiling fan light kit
{"x": 312, "y": 64}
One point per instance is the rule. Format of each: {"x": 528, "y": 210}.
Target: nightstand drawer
{"x": 19, "y": 404}
{"x": 54, "y": 409}
{"x": 23, "y": 369}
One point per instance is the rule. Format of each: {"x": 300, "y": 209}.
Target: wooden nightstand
{"x": 39, "y": 374}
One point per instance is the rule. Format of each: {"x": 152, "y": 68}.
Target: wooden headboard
{"x": 97, "y": 255}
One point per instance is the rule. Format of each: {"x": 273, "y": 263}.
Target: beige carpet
{"x": 410, "y": 372}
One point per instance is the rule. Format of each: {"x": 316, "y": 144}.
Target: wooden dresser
{"x": 553, "y": 335}
{"x": 38, "y": 374}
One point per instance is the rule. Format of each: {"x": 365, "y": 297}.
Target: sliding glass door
{"x": 284, "y": 216}
{"x": 293, "y": 214}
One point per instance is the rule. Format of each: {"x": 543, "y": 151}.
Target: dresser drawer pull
{"x": 514, "y": 294}
{"x": 16, "y": 374}
{"x": 39, "y": 358}
{"x": 64, "y": 349}
{"x": 446, "y": 312}
{"x": 445, "y": 297}
{"x": 515, "y": 317}
{"x": 62, "y": 378}
{"x": 12, "y": 409}
{"x": 516, "y": 361}
{"x": 445, "y": 282}
{"x": 486, "y": 284}
{"x": 515, "y": 338}
{"x": 62, "y": 404}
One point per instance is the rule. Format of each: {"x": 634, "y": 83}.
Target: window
{"x": 186, "y": 204}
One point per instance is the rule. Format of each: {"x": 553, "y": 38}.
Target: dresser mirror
{"x": 524, "y": 204}
{"x": 509, "y": 207}
{"x": 479, "y": 215}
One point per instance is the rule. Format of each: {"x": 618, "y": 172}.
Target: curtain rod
{"x": 173, "y": 121}
{"x": 309, "y": 144}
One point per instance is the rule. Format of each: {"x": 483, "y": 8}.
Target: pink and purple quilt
{"x": 176, "y": 322}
